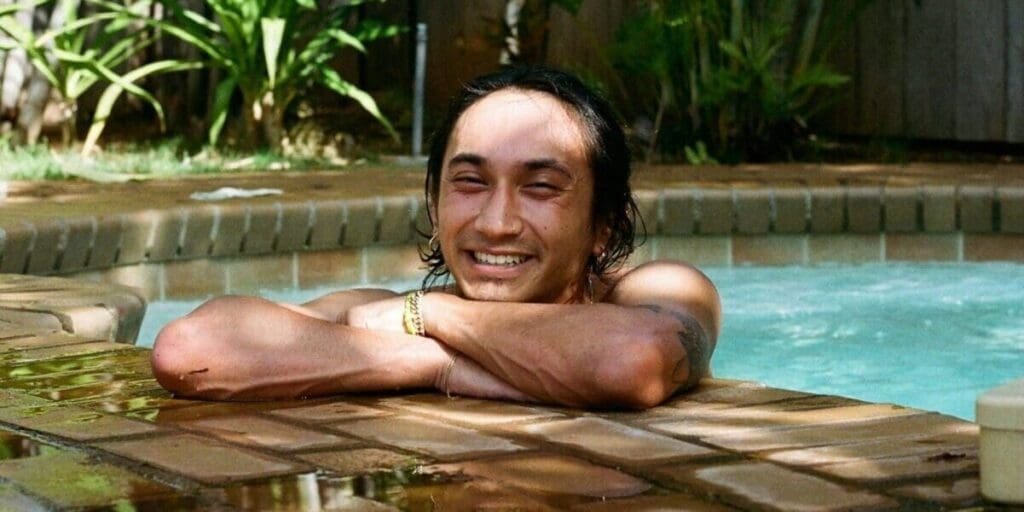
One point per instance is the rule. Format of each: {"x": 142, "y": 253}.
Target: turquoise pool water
{"x": 931, "y": 336}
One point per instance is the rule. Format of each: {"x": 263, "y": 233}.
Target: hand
{"x": 381, "y": 315}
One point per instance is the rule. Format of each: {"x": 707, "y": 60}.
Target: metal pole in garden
{"x": 418, "y": 80}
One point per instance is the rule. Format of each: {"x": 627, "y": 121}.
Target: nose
{"x": 499, "y": 216}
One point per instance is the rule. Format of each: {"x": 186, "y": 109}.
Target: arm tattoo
{"x": 695, "y": 343}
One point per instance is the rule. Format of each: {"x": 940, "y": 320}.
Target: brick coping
{"x": 721, "y": 446}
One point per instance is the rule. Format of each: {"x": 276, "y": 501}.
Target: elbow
{"x": 639, "y": 381}
{"x": 174, "y": 357}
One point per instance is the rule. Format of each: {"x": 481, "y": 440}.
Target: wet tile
{"x": 69, "y": 479}
{"x": 769, "y": 250}
{"x": 329, "y": 412}
{"x": 256, "y": 431}
{"x": 16, "y": 399}
{"x": 845, "y": 248}
{"x": 198, "y": 236}
{"x": 229, "y": 230}
{"x": 766, "y": 486}
{"x": 199, "y": 409}
{"x": 74, "y": 422}
{"x": 15, "y": 323}
{"x": 976, "y": 209}
{"x": 653, "y": 504}
{"x": 17, "y": 446}
{"x": 15, "y": 246}
{"x": 328, "y": 223}
{"x": 741, "y": 394}
{"x": 106, "y": 241}
{"x": 922, "y": 247}
{"x": 938, "y": 203}
{"x": 1011, "y": 209}
{"x": 202, "y": 459}
{"x": 361, "y": 222}
{"x": 144, "y": 278}
{"x": 53, "y": 339}
{"x": 919, "y": 425}
{"x": 469, "y": 410}
{"x": 549, "y": 473}
{"x": 480, "y": 494}
{"x": 77, "y": 244}
{"x": 299, "y": 493}
{"x": 950, "y": 462}
{"x": 753, "y": 211}
{"x": 358, "y": 461}
{"x": 14, "y": 498}
{"x": 993, "y": 247}
{"x": 165, "y": 235}
{"x": 295, "y": 226}
{"x": 262, "y": 228}
{"x": 615, "y": 442}
{"x": 864, "y": 209}
{"x": 70, "y": 350}
{"x": 43, "y": 258}
{"x": 959, "y": 491}
{"x": 900, "y": 213}
{"x": 827, "y": 210}
{"x": 886, "y": 448}
{"x": 428, "y": 437}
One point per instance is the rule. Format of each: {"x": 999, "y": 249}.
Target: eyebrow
{"x": 532, "y": 165}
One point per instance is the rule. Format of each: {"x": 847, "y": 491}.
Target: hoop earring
{"x": 433, "y": 243}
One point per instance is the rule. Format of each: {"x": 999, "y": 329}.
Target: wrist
{"x": 432, "y": 306}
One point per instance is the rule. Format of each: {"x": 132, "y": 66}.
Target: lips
{"x": 501, "y": 260}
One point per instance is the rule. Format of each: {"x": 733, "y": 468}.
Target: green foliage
{"x": 85, "y": 51}
{"x": 272, "y": 51}
{"x": 742, "y": 77}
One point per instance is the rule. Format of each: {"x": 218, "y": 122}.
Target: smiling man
{"x": 526, "y": 297}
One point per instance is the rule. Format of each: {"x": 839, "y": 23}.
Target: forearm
{"x": 581, "y": 355}
{"x": 249, "y": 348}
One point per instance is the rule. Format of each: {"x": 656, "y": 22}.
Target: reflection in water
{"x": 17, "y": 446}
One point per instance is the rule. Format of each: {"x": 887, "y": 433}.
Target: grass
{"x": 160, "y": 160}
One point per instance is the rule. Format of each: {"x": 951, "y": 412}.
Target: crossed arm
{"x": 652, "y": 334}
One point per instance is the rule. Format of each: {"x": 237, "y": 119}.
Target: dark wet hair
{"x": 608, "y": 155}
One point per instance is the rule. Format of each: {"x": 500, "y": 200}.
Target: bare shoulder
{"x": 673, "y": 285}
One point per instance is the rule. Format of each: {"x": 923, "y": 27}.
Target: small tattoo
{"x": 193, "y": 372}
{"x": 696, "y": 345}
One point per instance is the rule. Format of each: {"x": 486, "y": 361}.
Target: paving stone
{"x": 135, "y": 234}
{"x": 396, "y": 217}
{"x": 263, "y": 221}
{"x": 69, "y": 479}
{"x": 960, "y": 491}
{"x": 922, "y": 247}
{"x": 35, "y": 341}
{"x": 295, "y": 226}
{"x": 77, "y": 243}
{"x": 328, "y": 224}
{"x": 197, "y": 240}
{"x": 481, "y": 494}
{"x": 68, "y": 350}
{"x": 229, "y": 230}
{"x": 202, "y": 410}
{"x": 901, "y": 205}
{"x": 469, "y": 410}
{"x": 994, "y": 247}
{"x": 15, "y": 246}
{"x": 791, "y": 210}
{"x": 678, "y": 212}
{"x": 976, "y": 212}
{"x": 256, "y": 431}
{"x": 953, "y": 462}
{"x": 15, "y": 499}
{"x": 742, "y": 394}
{"x": 16, "y": 399}
{"x": 20, "y": 323}
{"x": 911, "y": 426}
{"x": 769, "y": 250}
{"x": 428, "y": 437}
{"x": 716, "y": 212}
{"x": 753, "y": 210}
{"x": 697, "y": 250}
{"x": 939, "y": 208}
{"x": 845, "y": 248}
{"x": 164, "y": 240}
{"x": 647, "y": 207}
{"x": 1011, "y": 209}
{"x": 869, "y": 450}
{"x": 766, "y": 486}
{"x": 74, "y": 422}
{"x": 614, "y": 441}
{"x": 202, "y": 459}
{"x": 106, "y": 241}
{"x": 359, "y": 461}
{"x": 361, "y": 222}
{"x": 549, "y": 473}
{"x": 330, "y": 412}
{"x": 864, "y": 209}
{"x": 653, "y": 504}
{"x": 46, "y": 247}
{"x": 146, "y": 279}
{"x": 827, "y": 210}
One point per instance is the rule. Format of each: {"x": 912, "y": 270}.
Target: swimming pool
{"x": 931, "y": 336}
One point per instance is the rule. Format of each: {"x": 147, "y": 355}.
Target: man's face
{"x": 514, "y": 206}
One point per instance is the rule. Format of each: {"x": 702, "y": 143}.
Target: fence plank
{"x": 1015, "y": 71}
{"x": 881, "y": 64}
{"x": 842, "y": 113}
{"x": 459, "y": 46}
{"x": 931, "y": 73}
{"x": 981, "y": 70}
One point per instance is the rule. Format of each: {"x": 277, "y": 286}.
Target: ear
{"x": 601, "y": 236}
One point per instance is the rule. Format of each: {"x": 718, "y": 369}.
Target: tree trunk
{"x": 511, "y": 49}
{"x": 16, "y": 69}
{"x": 30, "y": 116}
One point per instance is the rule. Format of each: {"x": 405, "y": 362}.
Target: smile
{"x": 502, "y": 260}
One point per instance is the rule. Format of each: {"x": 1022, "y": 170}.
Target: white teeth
{"x": 498, "y": 259}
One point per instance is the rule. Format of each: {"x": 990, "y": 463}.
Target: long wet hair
{"x": 608, "y": 154}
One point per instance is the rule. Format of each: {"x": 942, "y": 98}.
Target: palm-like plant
{"x": 73, "y": 61}
{"x": 270, "y": 51}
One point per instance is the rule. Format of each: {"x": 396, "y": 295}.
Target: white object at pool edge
{"x": 233, "y": 193}
{"x": 1000, "y": 413}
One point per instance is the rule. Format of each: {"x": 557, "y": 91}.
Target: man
{"x": 528, "y": 193}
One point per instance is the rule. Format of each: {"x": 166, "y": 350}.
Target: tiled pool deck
{"x": 83, "y": 424}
